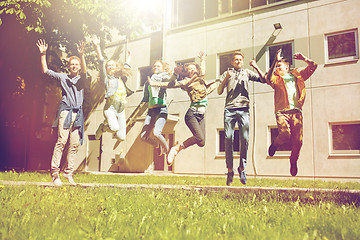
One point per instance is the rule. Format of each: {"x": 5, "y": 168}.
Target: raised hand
{"x": 95, "y": 40}
{"x": 42, "y": 45}
{"x": 299, "y": 56}
{"x": 202, "y": 54}
{"x": 81, "y": 47}
{"x": 253, "y": 63}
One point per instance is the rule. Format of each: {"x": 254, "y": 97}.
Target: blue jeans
{"x": 155, "y": 121}
{"x": 196, "y": 123}
{"x": 240, "y": 116}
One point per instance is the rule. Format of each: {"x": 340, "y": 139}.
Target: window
{"x": 191, "y": 11}
{"x": 273, "y": 134}
{"x": 225, "y": 62}
{"x": 225, "y": 6}
{"x": 257, "y": 3}
{"x": 236, "y": 143}
{"x": 182, "y": 62}
{"x": 188, "y": 11}
{"x": 239, "y": 5}
{"x": 287, "y": 53}
{"x": 284, "y": 149}
{"x": 345, "y": 138}
{"x": 341, "y": 46}
{"x": 144, "y": 73}
{"x": 211, "y": 9}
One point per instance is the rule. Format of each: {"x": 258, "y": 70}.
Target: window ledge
{"x": 343, "y": 155}
{"x": 341, "y": 62}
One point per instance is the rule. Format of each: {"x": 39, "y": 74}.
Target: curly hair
{"x": 165, "y": 66}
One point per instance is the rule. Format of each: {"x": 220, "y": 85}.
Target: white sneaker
{"x": 69, "y": 178}
{"x": 172, "y": 154}
{"x": 56, "y": 179}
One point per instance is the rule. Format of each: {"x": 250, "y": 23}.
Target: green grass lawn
{"x": 34, "y": 212}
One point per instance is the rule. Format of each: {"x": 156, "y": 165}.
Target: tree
{"x": 62, "y": 23}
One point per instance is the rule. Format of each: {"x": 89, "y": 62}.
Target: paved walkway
{"x": 202, "y": 188}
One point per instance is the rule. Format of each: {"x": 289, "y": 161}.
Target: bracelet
{"x": 43, "y": 53}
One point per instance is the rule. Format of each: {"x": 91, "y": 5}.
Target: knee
{"x": 113, "y": 127}
{"x": 120, "y": 136}
{"x": 157, "y": 133}
{"x": 201, "y": 143}
{"x": 143, "y": 136}
{"x": 61, "y": 142}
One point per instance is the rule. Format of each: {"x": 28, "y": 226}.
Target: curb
{"x": 354, "y": 193}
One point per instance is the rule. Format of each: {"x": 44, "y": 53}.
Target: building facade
{"x": 324, "y": 30}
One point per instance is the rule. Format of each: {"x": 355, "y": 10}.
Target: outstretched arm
{"x": 81, "y": 47}
{"x": 173, "y": 83}
{"x": 96, "y": 42}
{"x": 258, "y": 70}
{"x": 42, "y": 45}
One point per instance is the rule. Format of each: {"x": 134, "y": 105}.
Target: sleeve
{"x": 55, "y": 75}
{"x": 210, "y": 87}
{"x": 308, "y": 71}
{"x": 253, "y": 76}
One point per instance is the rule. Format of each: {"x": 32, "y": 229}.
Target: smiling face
{"x": 74, "y": 66}
{"x": 237, "y": 61}
{"x": 110, "y": 67}
{"x": 157, "y": 67}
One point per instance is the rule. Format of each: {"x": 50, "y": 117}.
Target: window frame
{"x": 268, "y": 64}
{"x": 220, "y": 153}
{"x": 341, "y": 59}
{"x": 278, "y": 153}
{"x": 218, "y": 64}
{"x": 139, "y": 74}
{"x": 341, "y": 153}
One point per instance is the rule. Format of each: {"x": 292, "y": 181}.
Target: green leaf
{"x": 22, "y": 15}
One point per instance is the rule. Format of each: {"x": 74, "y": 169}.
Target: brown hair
{"x": 198, "y": 69}
{"x": 237, "y": 53}
{"x": 74, "y": 57}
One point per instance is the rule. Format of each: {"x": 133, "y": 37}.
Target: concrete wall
{"x": 333, "y": 92}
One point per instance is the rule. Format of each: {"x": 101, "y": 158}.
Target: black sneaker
{"x": 242, "y": 176}
{"x": 293, "y": 168}
{"x": 272, "y": 150}
{"x": 230, "y": 177}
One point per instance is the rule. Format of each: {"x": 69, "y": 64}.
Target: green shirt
{"x": 292, "y": 92}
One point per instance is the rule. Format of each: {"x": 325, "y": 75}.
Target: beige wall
{"x": 333, "y": 92}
